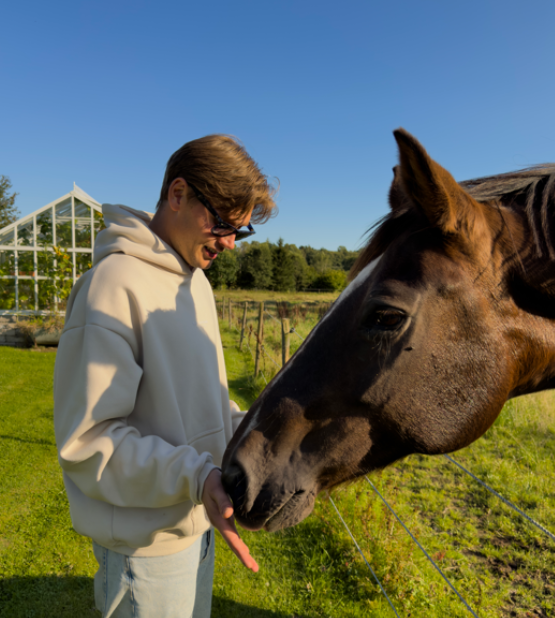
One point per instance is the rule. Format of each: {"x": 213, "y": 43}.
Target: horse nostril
{"x": 234, "y": 481}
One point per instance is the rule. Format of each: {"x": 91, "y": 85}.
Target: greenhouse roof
{"x": 77, "y": 192}
{"x": 44, "y": 250}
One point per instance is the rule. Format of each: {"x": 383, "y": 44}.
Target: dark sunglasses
{"x": 222, "y": 228}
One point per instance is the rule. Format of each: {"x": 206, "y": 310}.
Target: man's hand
{"x": 220, "y": 512}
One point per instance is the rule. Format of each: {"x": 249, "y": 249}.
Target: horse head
{"x": 448, "y": 314}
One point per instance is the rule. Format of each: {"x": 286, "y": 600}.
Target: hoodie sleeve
{"x": 236, "y": 415}
{"x": 95, "y": 387}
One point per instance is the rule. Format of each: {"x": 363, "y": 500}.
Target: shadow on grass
{"x": 44, "y": 597}
{"x": 73, "y": 597}
{"x": 39, "y": 442}
{"x": 225, "y": 608}
{"x": 245, "y": 385}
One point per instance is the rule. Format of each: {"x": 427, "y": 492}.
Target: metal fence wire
{"x": 539, "y": 526}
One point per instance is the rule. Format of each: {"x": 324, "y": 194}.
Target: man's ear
{"x": 431, "y": 187}
{"x": 177, "y": 194}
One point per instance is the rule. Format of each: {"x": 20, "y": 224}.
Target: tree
{"x": 223, "y": 271}
{"x": 320, "y": 260}
{"x": 255, "y": 266}
{"x": 283, "y": 274}
{"x": 345, "y": 258}
{"x": 303, "y": 274}
{"x": 332, "y": 280}
{"x": 8, "y": 210}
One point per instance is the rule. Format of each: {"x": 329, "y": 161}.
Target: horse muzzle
{"x": 268, "y": 502}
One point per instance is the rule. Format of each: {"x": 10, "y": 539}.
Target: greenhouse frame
{"x": 42, "y": 251}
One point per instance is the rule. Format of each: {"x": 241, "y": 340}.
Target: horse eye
{"x": 387, "y": 319}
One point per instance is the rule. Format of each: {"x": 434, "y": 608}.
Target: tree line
{"x": 282, "y": 267}
{"x": 252, "y": 265}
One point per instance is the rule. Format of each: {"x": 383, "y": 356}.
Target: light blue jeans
{"x": 174, "y": 586}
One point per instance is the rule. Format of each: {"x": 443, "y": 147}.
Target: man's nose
{"x": 227, "y": 242}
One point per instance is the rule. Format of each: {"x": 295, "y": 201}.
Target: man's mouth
{"x": 211, "y": 254}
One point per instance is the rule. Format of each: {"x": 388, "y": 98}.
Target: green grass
{"x": 500, "y": 563}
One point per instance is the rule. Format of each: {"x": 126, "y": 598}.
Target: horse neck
{"x": 531, "y": 286}
{"x": 531, "y": 350}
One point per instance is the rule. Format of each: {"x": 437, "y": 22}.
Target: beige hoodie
{"x": 142, "y": 411}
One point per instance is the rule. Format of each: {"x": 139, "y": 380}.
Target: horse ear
{"x": 429, "y": 186}
{"x": 398, "y": 200}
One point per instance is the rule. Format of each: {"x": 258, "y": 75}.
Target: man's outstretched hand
{"x": 220, "y": 512}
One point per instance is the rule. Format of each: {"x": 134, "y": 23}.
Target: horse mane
{"x": 530, "y": 191}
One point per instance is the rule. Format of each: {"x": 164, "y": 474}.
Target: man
{"x": 142, "y": 411}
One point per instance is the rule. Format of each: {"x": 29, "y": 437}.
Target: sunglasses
{"x": 222, "y": 228}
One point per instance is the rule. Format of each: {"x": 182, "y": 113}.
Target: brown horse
{"x": 450, "y": 312}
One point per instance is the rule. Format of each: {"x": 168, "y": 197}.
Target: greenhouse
{"x": 44, "y": 253}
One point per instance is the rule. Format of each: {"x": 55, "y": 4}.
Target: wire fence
{"x": 278, "y": 318}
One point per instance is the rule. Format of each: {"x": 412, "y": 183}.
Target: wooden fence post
{"x": 230, "y": 314}
{"x": 243, "y": 324}
{"x": 285, "y": 340}
{"x": 259, "y": 339}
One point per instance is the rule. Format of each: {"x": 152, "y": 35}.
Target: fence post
{"x": 243, "y": 324}
{"x": 230, "y": 315}
{"x": 259, "y": 339}
{"x": 285, "y": 340}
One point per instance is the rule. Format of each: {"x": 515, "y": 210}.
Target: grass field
{"x": 500, "y": 564}
{"x": 258, "y": 295}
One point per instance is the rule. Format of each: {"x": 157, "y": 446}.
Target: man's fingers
{"x": 237, "y": 545}
{"x": 225, "y": 507}
{"x": 220, "y": 511}
{"x": 220, "y": 497}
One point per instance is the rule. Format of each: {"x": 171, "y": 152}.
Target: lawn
{"x": 501, "y": 564}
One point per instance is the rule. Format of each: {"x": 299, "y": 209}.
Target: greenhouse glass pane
{"x": 44, "y": 228}
{"x": 83, "y": 262}
{"x": 82, "y": 225}
{"x": 98, "y": 222}
{"x": 7, "y": 263}
{"x": 7, "y": 238}
{"x": 7, "y": 294}
{"x": 26, "y": 289}
{"x": 25, "y": 234}
{"x": 46, "y": 295}
{"x": 63, "y": 224}
{"x": 45, "y": 263}
{"x": 26, "y": 263}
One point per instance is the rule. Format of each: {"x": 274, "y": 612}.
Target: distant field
{"x": 501, "y": 565}
{"x": 258, "y": 295}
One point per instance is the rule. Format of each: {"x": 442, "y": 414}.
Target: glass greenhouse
{"x": 44, "y": 253}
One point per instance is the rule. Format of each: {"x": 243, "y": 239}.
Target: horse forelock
{"x": 383, "y": 234}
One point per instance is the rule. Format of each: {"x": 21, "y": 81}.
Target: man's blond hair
{"x": 224, "y": 172}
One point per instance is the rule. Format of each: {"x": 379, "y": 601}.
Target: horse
{"x": 449, "y": 312}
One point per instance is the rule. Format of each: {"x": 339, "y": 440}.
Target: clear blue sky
{"x": 101, "y": 93}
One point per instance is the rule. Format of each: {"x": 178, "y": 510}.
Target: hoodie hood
{"x": 127, "y": 232}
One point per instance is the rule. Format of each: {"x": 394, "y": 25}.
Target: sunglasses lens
{"x": 242, "y": 234}
{"x": 222, "y": 230}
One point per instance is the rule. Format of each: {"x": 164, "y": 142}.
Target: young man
{"x": 142, "y": 411}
